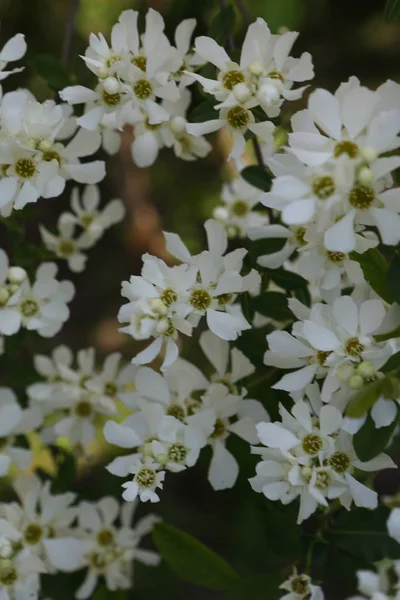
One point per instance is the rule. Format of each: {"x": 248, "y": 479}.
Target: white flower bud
{"x": 256, "y": 68}
{"x": 162, "y": 459}
{"x": 356, "y": 382}
{"x": 344, "y": 372}
{"x": 45, "y": 145}
{"x": 365, "y": 176}
{"x": 220, "y": 213}
{"x": 111, "y": 85}
{"x": 162, "y": 326}
{"x": 268, "y": 94}
{"x": 306, "y": 472}
{"x": 178, "y": 125}
{"x": 158, "y": 306}
{"x": 231, "y": 232}
{"x": 13, "y": 288}
{"x": 369, "y": 153}
{"x": 242, "y": 92}
{"x": 366, "y": 369}
{"x": 16, "y": 274}
{"x": 31, "y": 142}
{"x": 4, "y": 294}
{"x": 102, "y": 73}
{"x": 146, "y": 449}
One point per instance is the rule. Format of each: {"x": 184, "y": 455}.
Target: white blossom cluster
{"x": 142, "y": 82}
{"x": 332, "y": 198}
{"x": 382, "y": 584}
{"x": 42, "y": 532}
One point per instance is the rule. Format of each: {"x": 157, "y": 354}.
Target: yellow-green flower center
{"x": 200, "y": 299}
{"x": 33, "y": 534}
{"x": 353, "y": 347}
{"x": 232, "y": 78}
{"x": 25, "y": 167}
{"x": 83, "y": 408}
{"x": 340, "y": 462}
{"x": 323, "y": 187}
{"x": 169, "y": 297}
{"x": 238, "y": 117}
{"x": 145, "y": 477}
{"x": 312, "y": 443}
{"x": 177, "y": 453}
{"x": 143, "y": 89}
{"x": 346, "y": 147}
{"x": 140, "y": 62}
{"x": 361, "y": 196}
{"x": 111, "y": 99}
{"x": 105, "y": 537}
{"x": 240, "y": 208}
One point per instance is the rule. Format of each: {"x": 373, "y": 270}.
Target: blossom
{"x": 112, "y": 547}
{"x": 13, "y": 50}
{"x": 147, "y": 477}
{"x": 331, "y": 336}
{"x": 65, "y": 246}
{"x": 309, "y": 456}
{"x": 299, "y": 586}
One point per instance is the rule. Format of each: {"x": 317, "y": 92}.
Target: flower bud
{"x": 365, "y": 176}
{"x": 162, "y": 326}
{"x": 102, "y": 73}
{"x": 162, "y": 459}
{"x": 306, "y": 472}
{"x": 4, "y": 294}
{"x": 256, "y": 68}
{"x": 344, "y": 372}
{"x": 356, "y": 382}
{"x": 5, "y": 548}
{"x": 13, "y": 287}
{"x": 16, "y": 274}
{"x": 268, "y": 94}
{"x": 220, "y": 213}
{"x": 369, "y": 154}
{"x": 111, "y": 85}
{"x": 45, "y": 145}
{"x": 366, "y": 369}
{"x": 146, "y": 449}
{"x": 242, "y": 92}
{"x": 158, "y": 306}
{"x": 178, "y": 125}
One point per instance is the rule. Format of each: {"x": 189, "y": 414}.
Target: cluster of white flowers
{"x": 91, "y": 221}
{"x": 383, "y": 584}
{"x": 42, "y": 533}
{"x": 142, "y": 82}
{"x": 166, "y": 300}
{"x": 332, "y": 198}
{"x": 38, "y": 306}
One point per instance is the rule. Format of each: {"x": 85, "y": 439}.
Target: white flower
{"x": 147, "y": 478}
{"x": 88, "y": 215}
{"x": 393, "y": 524}
{"x": 236, "y": 213}
{"x": 15, "y": 421}
{"x": 309, "y": 456}
{"x": 65, "y": 246}
{"x": 13, "y": 50}
{"x": 300, "y": 587}
{"x": 331, "y": 336}
{"x": 112, "y": 547}
{"x": 41, "y": 524}
{"x": 375, "y": 586}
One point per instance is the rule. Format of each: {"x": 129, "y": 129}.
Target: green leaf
{"x": 382, "y": 337}
{"x": 392, "y": 364}
{"x": 273, "y": 305}
{"x": 247, "y": 307}
{"x": 363, "y": 534}
{"x": 363, "y": 400}
{"x": 266, "y": 246}
{"x": 258, "y": 177}
{"x": 375, "y": 269}
{"x": 392, "y": 10}
{"x": 191, "y": 560}
{"x": 252, "y": 344}
{"x": 370, "y": 441}
{"x": 393, "y": 278}
{"x": 223, "y": 25}
{"x": 204, "y": 111}
{"x": 288, "y": 280}
{"x": 256, "y": 587}
{"x": 51, "y": 71}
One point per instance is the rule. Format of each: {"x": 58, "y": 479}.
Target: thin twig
{"x": 69, "y": 32}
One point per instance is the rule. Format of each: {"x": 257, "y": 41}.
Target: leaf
{"x": 258, "y": 177}
{"x": 191, "y": 559}
{"x": 273, "y": 305}
{"x": 66, "y": 469}
{"x": 392, "y": 364}
{"x": 370, "y": 441}
{"x": 382, "y": 337}
{"x": 393, "y": 278}
{"x": 266, "y": 246}
{"x": 252, "y": 343}
{"x": 222, "y": 27}
{"x": 363, "y": 400}
{"x": 363, "y": 534}
{"x": 204, "y": 111}
{"x": 288, "y": 280}
{"x": 256, "y": 587}
{"x": 51, "y": 71}
{"x": 247, "y": 307}
{"x": 375, "y": 269}
{"x": 392, "y": 10}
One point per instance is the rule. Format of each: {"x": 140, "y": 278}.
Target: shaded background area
{"x": 345, "y": 37}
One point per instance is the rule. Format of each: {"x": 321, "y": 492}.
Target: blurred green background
{"x": 345, "y": 37}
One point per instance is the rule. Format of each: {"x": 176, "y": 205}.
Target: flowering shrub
{"x": 293, "y": 303}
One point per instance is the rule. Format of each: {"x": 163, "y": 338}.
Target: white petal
{"x": 320, "y": 337}
{"x": 65, "y": 554}
{"x": 145, "y": 149}
{"x": 274, "y": 436}
{"x": 324, "y": 109}
{"x": 340, "y": 237}
{"x": 223, "y": 469}
{"x": 372, "y": 313}
{"x": 121, "y": 436}
{"x": 296, "y": 380}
